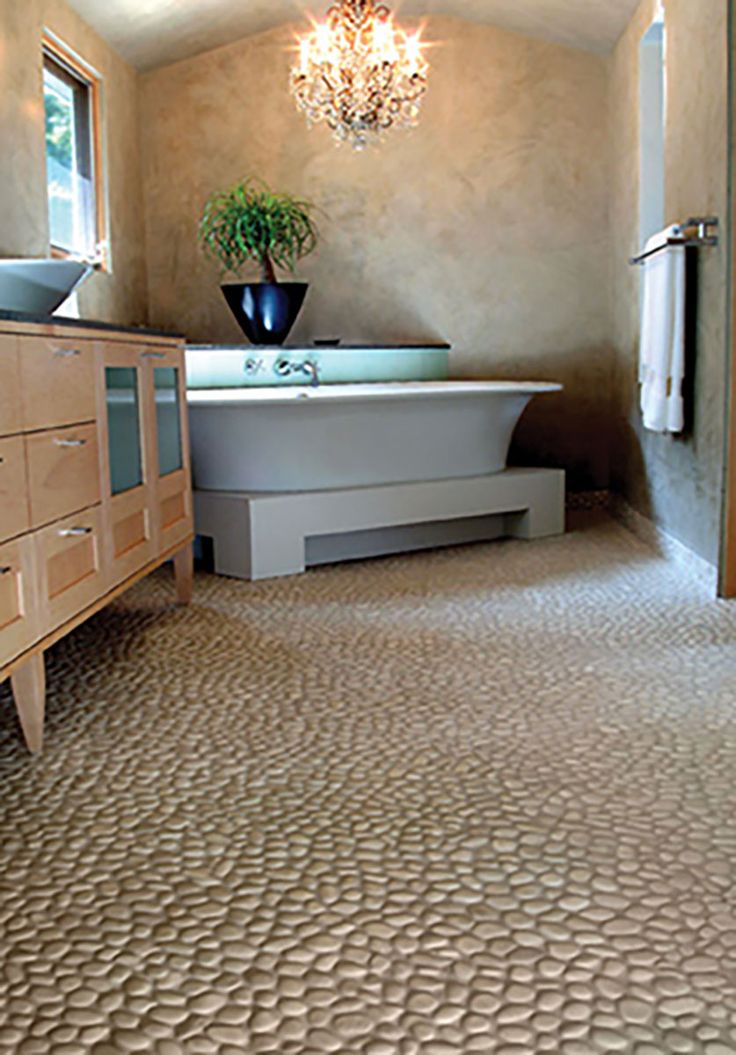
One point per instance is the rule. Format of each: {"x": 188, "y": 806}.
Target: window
{"x": 73, "y": 162}
{"x": 652, "y": 106}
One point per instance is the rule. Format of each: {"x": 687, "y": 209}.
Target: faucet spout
{"x": 312, "y": 371}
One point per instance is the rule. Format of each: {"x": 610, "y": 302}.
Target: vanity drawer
{"x": 18, "y": 609}
{"x": 57, "y": 382}
{"x": 14, "y": 511}
{"x": 10, "y": 420}
{"x": 69, "y": 562}
{"x": 63, "y": 472}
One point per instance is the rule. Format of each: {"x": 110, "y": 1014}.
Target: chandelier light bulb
{"x": 413, "y": 52}
{"x": 323, "y": 42}
{"x": 383, "y": 41}
{"x": 360, "y": 73}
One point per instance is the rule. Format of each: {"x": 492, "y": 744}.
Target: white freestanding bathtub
{"x": 293, "y": 476}
{"x": 312, "y": 439}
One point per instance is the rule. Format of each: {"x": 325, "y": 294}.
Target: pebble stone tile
{"x": 476, "y": 800}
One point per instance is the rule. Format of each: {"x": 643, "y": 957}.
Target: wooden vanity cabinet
{"x": 19, "y": 616}
{"x": 15, "y": 514}
{"x": 70, "y": 570}
{"x": 94, "y": 485}
{"x": 62, "y": 472}
{"x": 57, "y": 381}
{"x": 10, "y": 403}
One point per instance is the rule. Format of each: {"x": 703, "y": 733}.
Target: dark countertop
{"x": 81, "y": 324}
{"x": 387, "y": 346}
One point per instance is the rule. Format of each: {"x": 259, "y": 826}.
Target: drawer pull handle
{"x": 66, "y": 353}
{"x": 153, "y": 355}
{"x": 70, "y": 443}
{"x": 6, "y": 570}
{"x": 75, "y": 532}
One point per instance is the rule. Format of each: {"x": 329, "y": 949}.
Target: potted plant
{"x": 249, "y": 223}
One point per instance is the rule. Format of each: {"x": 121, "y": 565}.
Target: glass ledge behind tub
{"x": 246, "y": 366}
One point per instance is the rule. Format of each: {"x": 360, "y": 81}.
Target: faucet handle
{"x": 253, "y": 366}
{"x": 283, "y": 367}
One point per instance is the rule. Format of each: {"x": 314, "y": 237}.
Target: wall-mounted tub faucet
{"x": 286, "y": 367}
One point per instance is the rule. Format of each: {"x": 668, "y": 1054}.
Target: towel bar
{"x": 703, "y": 237}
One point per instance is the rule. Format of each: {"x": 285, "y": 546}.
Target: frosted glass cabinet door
{"x": 168, "y": 419}
{"x": 124, "y": 428}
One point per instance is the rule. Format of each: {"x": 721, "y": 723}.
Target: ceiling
{"x": 151, "y": 33}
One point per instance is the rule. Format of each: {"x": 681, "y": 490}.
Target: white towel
{"x": 662, "y": 348}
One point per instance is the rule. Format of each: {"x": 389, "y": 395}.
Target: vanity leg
{"x": 29, "y": 692}
{"x": 184, "y": 573}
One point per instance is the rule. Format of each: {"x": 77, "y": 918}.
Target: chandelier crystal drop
{"x": 359, "y": 73}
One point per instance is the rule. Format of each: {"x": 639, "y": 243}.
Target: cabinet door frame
{"x": 173, "y": 491}
{"x": 138, "y": 503}
{"x": 15, "y": 510}
{"x": 11, "y": 417}
{"x": 18, "y": 567}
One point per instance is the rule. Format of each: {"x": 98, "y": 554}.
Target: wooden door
{"x": 727, "y": 563}
{"x": 727, "y": 577}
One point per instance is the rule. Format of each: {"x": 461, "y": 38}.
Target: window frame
{"x": 81, "y": 71}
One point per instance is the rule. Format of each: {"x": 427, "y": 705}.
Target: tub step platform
{"x": 263, "y": 535}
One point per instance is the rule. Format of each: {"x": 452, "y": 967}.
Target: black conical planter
{"x": 266, "y": 311}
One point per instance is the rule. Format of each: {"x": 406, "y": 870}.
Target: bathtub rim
{"x": 349, "y": 392}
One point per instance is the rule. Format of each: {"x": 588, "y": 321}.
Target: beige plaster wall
{"x": 486, "y": 226}
{"x": 119, "y": 296}
{"x": 674, "y": 480}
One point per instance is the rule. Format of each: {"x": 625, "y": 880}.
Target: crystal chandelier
{"x": 359, "y": 72}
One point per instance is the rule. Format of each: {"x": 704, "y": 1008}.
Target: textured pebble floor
{"x": 480, "y": 800}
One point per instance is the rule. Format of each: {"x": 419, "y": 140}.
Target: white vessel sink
{"x": 38, "y": 287}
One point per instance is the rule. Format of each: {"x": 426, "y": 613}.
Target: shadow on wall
{"x": 692, "y": 287}
{"x": 355, "y": 319}
{"x": 629, "y": 463}
{"x": 631, "y": 446}
{"x": 574, "y": 429}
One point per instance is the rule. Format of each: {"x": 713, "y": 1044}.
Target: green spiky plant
{"x": 249, "y": 223}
